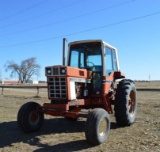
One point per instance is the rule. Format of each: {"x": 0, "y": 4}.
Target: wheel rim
{"x": 103, "y": 127}
{"x": 33, "y": 118}
{"x": 131, "y": 104}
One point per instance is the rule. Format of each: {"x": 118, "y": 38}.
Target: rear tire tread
{"x": 121, "y": 103}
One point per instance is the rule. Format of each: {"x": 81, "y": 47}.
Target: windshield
{"x": 86, "y": 55}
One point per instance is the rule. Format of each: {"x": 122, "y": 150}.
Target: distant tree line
{"x": 25, "y": 70}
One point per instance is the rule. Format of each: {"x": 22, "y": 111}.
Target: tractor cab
{"x": 96, "y": 56}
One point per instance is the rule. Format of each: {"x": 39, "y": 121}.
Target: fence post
{"x": 2, "y": 91}
{"x": 37, "y": 90}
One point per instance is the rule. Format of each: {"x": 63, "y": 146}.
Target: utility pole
{"x": 149, "y": 78}
{"x": 0, "y": 75}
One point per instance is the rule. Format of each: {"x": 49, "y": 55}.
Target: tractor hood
{"x": 60, "y": 70}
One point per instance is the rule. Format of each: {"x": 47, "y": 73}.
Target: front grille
{"x": 57, "y": 87}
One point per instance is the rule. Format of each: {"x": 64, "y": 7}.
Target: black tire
{"x": 28, "y": 118}
{"x": 125, "y": 103}
{"x": 97, "y": 126}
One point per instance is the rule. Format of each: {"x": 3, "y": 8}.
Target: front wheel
{"x": 97, "y": 126}
{"x": 29, "y": 118}
{"x": 125, "y": 103}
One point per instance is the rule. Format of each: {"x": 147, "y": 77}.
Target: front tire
{"x": 29, "y": 119}
{"x": 97, "y": 126}
{"x": 125, "y": 103}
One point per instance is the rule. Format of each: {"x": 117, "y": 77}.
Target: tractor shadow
{"x": 10, "y": 134}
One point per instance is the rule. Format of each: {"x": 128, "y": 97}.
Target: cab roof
{"x": 90, "y": 41}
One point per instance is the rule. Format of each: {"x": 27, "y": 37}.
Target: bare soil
{"x": 58, "y": 134}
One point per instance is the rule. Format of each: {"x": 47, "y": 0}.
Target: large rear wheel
{"x": 97, "y": 126}
{"x": 125, "y": 103}
{"x": 29, "y": 118}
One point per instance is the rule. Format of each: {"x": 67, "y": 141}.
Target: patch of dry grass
{"x": 57, "y": 134}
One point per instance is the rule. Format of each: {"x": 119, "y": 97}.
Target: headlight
{"x": 63, "y": 71}
{"x": 48, "y": 71}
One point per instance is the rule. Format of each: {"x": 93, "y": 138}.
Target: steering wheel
{"x": 90, "y": 63}
{"x": 90, "y": 67}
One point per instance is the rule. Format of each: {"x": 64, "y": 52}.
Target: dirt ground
{"x": 60, "y": 135}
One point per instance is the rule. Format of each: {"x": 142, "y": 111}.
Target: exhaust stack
{"x": 64, "y": 52}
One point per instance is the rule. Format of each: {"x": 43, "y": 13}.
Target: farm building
{"x": 10, "y": 82}
{"x": 33, "y": 82}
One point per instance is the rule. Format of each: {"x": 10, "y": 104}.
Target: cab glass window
{"x": 87, "y": 56}
{"x": 111, "y": 61}
{"x": 74, "y": 58}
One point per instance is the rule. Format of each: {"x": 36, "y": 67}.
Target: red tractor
{"x": 85, "y": 88}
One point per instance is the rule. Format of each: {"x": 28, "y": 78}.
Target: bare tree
{"x": 25, "y": 70}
